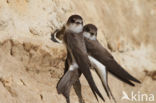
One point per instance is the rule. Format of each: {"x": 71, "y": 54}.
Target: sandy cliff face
{"x": 31, "y": 64}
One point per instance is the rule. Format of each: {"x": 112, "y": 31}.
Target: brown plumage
{"x": 96, "y": 50}
{"x": 76, "y": 48}
{"x": 107, "y": 59}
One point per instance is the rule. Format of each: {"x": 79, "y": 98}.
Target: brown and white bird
{"x": 77, "y": 58}
{"x": 103, "y": 61}
{"x": 103, "y": 56}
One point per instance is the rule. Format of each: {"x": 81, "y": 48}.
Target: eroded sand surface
{"x": 31, "y": 64}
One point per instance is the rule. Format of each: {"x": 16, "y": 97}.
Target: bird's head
{"x": 75, "y": 24}
{"x": 90, "y": 31}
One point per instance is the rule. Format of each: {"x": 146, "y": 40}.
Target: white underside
{"x": 100, "y": 68}
{"x": 73, "y": 66}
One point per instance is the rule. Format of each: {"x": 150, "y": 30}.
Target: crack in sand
{"x": 7, "y": 87}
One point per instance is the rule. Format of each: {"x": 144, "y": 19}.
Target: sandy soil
{"x": 31, "y": 64}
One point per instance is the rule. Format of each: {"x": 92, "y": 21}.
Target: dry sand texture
{"x": 31, "y": 64}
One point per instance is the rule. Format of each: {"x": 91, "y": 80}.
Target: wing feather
{"x": 75, "y": 44}
{"x": 107, "y": 59}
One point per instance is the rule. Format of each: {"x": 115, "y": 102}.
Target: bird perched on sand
{"x": 77, "y": 57}
{"x": 101, "y": 60}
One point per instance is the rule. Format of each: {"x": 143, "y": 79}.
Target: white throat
{"x": 88, "y": 36}
{"x": 75, "y": 28}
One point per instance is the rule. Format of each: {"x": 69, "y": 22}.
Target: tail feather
{"x": 119, "y": 72}
{"x": 125, "y": 80}
{"x": 93, "y": 87}
{"x": 112, "y": 94}
{"x": 101, "y": 71}
{"x": 86, "y": 72}
{"x": 65, "y": 83}
{"x": 102, "y": 80}
{"x": 110, "y": 89}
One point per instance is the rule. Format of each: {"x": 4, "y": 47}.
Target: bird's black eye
{"x": 72, "y": 20}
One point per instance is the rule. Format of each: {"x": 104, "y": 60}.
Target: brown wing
{"x": 75, "y": 44}
{"x": 68, "y": 79}
{"x": 96, "y": 50}
{"x": 66, "y": 82}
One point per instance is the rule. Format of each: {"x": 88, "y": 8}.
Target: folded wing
{"x": 76, "y": 46}
{"x": 107, "y": 59}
